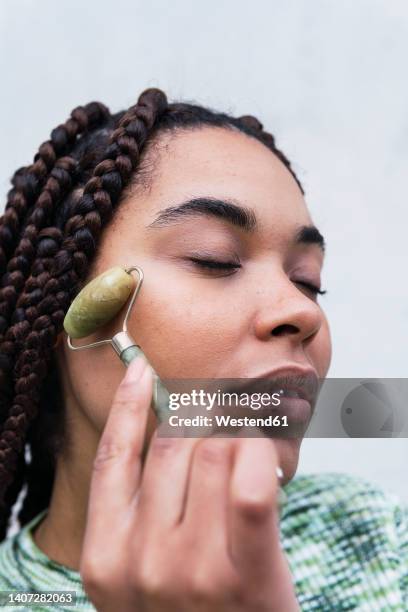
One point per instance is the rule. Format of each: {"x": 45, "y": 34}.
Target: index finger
{"x": 117, "y": 465}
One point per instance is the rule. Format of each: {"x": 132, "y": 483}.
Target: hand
{"x": 197, "y": 530}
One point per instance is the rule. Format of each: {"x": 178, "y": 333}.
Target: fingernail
{"x": 135, "y": 369}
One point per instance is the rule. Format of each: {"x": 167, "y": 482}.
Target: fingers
{"x": 117, "y": 465}
{"x": 253, "y": 510}
{"x": 208, "y": 488}
{"x": 164, "y": 481}
{"x": 183, "y": 504}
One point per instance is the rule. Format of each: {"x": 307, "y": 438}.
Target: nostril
{"x": 281, "y": 330}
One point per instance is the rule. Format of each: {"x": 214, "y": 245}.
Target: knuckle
{"x": 146, "y": 578}
{"x": 126, "y": 397}
{"x": 163, "y": 446}
{"x": 108, "y": 451}
{"x": 94, "y": 576}
{"x": 253, "y": 508}
{"x": 200, "y": 588}
{"x": 211, "y": 585}
{"x": 127, "y": 388}
{"x": 212, "y": 451}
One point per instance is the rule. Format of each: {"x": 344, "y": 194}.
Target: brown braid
{"x": 55, "y": 172}
{"x": 54, "y": 217}
{"x": 27, "y": 182}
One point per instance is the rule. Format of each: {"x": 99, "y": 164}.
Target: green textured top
{"x": 346, "y": 541}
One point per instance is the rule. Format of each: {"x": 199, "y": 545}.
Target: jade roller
{"x": 98, "y": 303}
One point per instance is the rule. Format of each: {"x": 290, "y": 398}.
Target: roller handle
{"x": 160, "y": 399}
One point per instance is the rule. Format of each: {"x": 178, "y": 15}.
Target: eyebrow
{"x": 237, "y": 215}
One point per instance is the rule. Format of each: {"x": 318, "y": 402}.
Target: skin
{"x": 192, "y": 323}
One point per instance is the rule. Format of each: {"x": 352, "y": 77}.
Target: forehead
{"x": 217, "y": 163}
{"x": 225, "y": 163}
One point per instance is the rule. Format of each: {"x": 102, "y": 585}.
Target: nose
{"x": 285, "y": 311}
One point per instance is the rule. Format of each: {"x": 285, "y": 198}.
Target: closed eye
{"x": 213, "y": 264}
{"x": 311, "y": 287}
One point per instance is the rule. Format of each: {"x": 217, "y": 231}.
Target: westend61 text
{"x": 228, "y": 421}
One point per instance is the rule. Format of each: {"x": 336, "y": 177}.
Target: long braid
{"x": 50, "y": 235}
{"x": 45, "y": 438}
{"x": 56, "y": 173}
{"x": 50, "y": 287}
{"x": 28, "y": 181}
{"x": 42, "y": 185}
{"x": 27, "y": 187}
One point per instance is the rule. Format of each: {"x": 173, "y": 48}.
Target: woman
{"x": 213, "y": 213}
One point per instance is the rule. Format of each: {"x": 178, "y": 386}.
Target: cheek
{"x": 92, "y": 379}
{"x": 184, "y": 335}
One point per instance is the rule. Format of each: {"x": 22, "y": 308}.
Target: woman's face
{"x": 247, "y": 319}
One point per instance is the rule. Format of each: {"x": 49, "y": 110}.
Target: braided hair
{"x": 49, "y": 232}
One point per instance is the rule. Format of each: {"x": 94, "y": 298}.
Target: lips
{"x": 297, "y": 390}
{"x": 290, "y": 383}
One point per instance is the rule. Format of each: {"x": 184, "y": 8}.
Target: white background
{"x": 328, "y": 78}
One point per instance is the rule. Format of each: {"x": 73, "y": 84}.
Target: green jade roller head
{"x": 98, "y": 303}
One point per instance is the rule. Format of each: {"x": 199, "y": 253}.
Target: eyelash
{"x": 212, "y": 264}
{"x": 312, "y": 288}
